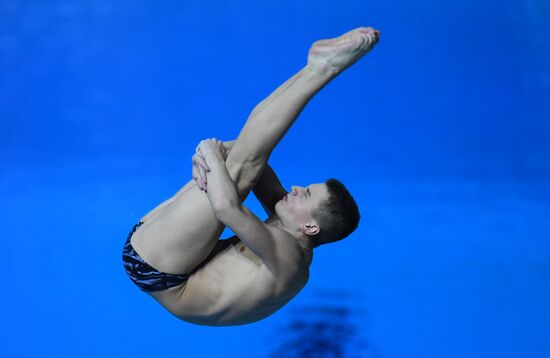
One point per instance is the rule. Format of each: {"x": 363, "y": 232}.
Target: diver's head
{"x": 320, "y": 213}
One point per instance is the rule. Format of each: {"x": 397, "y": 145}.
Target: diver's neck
{"x": 304, "y": 242}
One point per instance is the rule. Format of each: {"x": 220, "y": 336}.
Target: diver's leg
{"x": 177, "y": 235}
{"x": 183, "y": 232}
{"x": 271, "y": 119}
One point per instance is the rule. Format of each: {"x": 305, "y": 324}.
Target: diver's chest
{"x": 238, "y": 270}
{"x": 237, "y": 263}
{"x": 241, "y": 251}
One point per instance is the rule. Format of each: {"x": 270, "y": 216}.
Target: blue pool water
{"x": 441, "y": 133}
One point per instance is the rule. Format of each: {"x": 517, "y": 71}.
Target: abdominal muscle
{"x": 233, "y": 288}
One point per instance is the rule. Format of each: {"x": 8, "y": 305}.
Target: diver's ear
{"x": 310, "y": 229}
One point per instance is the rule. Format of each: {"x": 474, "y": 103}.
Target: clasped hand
{"x": 207, "y": 147}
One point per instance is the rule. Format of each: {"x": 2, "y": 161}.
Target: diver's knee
{"x": 246, "y": 173}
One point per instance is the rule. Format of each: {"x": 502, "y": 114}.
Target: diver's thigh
{"x": 180, "y": 234}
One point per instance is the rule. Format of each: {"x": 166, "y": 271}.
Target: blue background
{"x": 441, "y": 133}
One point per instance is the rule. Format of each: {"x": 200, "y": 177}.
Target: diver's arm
{"x": 220, "y": 188}
{"x": 269, "y": 190}
{"x": 225, "y": 201}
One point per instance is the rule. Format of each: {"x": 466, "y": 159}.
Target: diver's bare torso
{"x": 233, "y": 286}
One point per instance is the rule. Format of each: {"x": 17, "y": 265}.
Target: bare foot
{"x": 335, "y": 55}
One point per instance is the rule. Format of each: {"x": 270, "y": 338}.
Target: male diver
{"x": 174, "y": 253}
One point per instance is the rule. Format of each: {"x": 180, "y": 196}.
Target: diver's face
{"x": 300, "y": 202}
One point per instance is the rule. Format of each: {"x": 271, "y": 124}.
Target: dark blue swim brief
{"x": 146, "y": 277}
